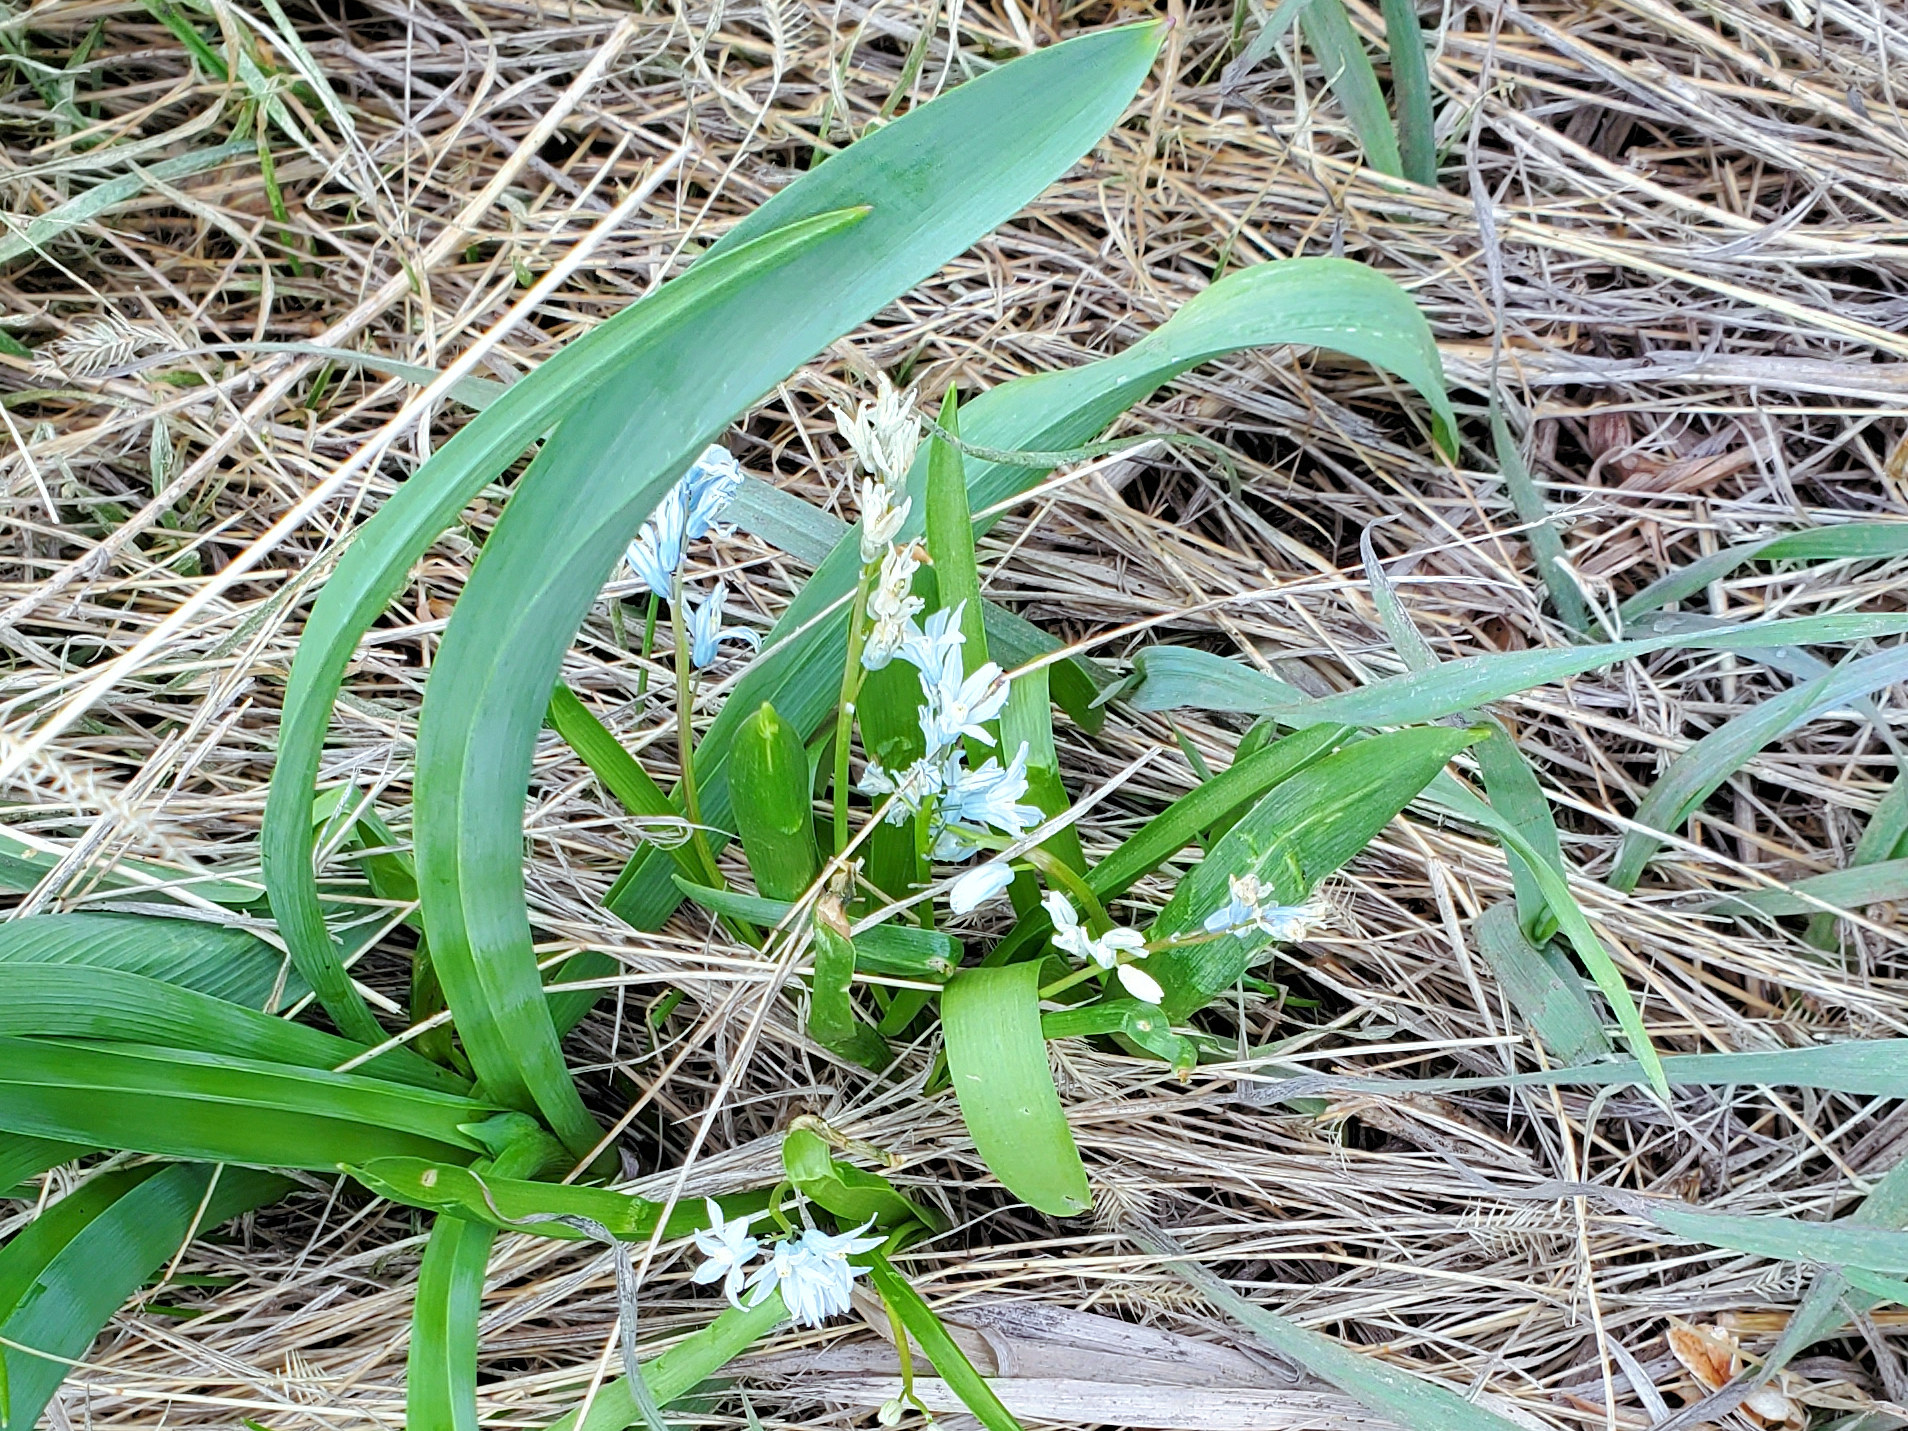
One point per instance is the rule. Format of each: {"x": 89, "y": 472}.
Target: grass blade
{"x": 1551, "y": 999}
{"x": 36, "y": 233}
{"x": 1328, "y": 30}
{"x": 1875, "y": 540}
{"x": 440, "y": 1390}
{"x": 997, "y": 1061}
{"x": 174, "y": 1103}
{"x": 1885, "y": 880}
{"x": 66, "y": 1273}
{"x": 1411, "y": 92}
{"x": 950, "y": 1362}
{"x": 1546, "y": 542}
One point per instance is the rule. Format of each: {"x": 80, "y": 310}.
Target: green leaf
{"x": 440, "y": 1390}
{"x": 1144, "y": 1024}
{"x": 36, "y": 233}
{"x": 832, "y": 1019}
{"x": 997, "y": 1061}
{"x": 23, "y": 864}
{"x": 1348, "y": 70}
{"x": 376, "y": 563}
{"x": 1411, "y": 90}
{"x": 853, "y": 1196}
{"x": 1695, "y": 774}
{"x": 1549, "y": 997}
{"x": 214, "y": 959}
{"x": 65, "y": 1274}
{"x": 621, "y": 773}
{"x": 949, "y": 529}
{"x": 1856, "y": 540}
{"x": 22, "y": 1157}
{"x": 774, "y": 812}
{"x": 1396, "y": 1395}
{"x": 1527, "y": 500}
{"x": 1176, "y": 676}
{"x": 1852, "y": 888}
{"x": 895, "y": 207}
{"x": 176, "y": 1103}
{"x": 897, "y": 949}
{"x": 1304, "y": 829}
{"x": 682, "y": 1368}
{"x": 918, "y": 1318}
{"x": 75, "y": 1001}
{"x": 1842, "y": 1243}
{"x": 503, "y": 1202}
{"x": 1331, "y": 303}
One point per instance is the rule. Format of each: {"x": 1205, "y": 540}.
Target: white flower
{"x": 978, "y": 885}
{"x": 812, "y": 1273}
{"x": 891, "y": 607}
{"x": 881, "y": 517}
{"x": 706, "y": 630}
{"x": 959, "y": 705}
{"x": 926, "y": 647}
{"x": 1246, "y": 912}
{"x": 657, "y": 550}
{"x": 884, "y": 433}
{"x": 728, "y": 1248}
{"x": 1115, "y": 949}
{"x": 912, "y": 788}
{"x": 988, "y": 797}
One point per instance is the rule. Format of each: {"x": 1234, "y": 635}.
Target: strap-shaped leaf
{"x": 216, "y": 959}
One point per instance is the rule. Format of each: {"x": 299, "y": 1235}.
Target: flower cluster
{"x": 1119, "y": 948}
{"x": 689, "y": 513}
{"x": 957, "y": 705}
{"x": 885, "y": 434}
{"x": 812, "y": 1271}
{"x": 1246, "y": 913}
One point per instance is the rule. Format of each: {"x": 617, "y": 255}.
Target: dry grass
{"x": 1692, "y": 277}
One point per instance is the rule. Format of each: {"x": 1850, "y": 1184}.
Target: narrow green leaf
{"x": 36, "y": 233}
{"x": 1411, "y": 91}
{"x": 214, "y": 959}
{"x": 897, "y": 949}
{"x": 1856, "y": 540}
{"x": 1144, "y": 1024}
{"x": 1328, "y": 30}
{"x": 1695, "y": 774}
{"x": 851, "y": 1195}
{"x": 942, "y": 1350}
{"x": 1851, "y": 888}
{"x": 176, "y": 1103}
{"x": 1843, "y": 1243}
{"x": 1305, "y": 828}
{"x": 1549, "y": 997}
{"x": 1397, "y": 1395}
{"x": 59, "y": 1283}
{"x": 773, "y": 810}
{"x": 22, "y": 1157}
{"x": 949, "y": 528}
{"x": 997, "y": 1061}
{"x": 832, "y": 1019}
{"x": 1825, "y": 1308}
{"x": 76, "y": 1001}
{"x": 1546, "y": 543}
{"x": 440, "y": 1389}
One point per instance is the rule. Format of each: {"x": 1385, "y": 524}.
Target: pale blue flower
{"x": 813, "y": 1273}
{"x": 912, "y": 788}
{"x": 728, "y": 1249}
{"x": 706, "y": 631}
{"x": 978, "y": 885}
{"x": 688, "y": 513}
{"x": 989, "y": 796}
{"x": 1246, "y": 912}
{"x": 926, "y": 647}
{"x": 657, "y": 550}
{"x": 960, "y": 705}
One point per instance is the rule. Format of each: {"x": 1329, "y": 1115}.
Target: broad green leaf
{"x": 1304, "y": 829}
{"x": 379, "y": 558}
{"x": 1411, "y": 92}
{"x": 1851, "y": 888}
{"x": 1398, "y": 1396}
{"x": 109, "y": 1005}
{"x": 214, "y": 959}
{"x": 176, "y": 1103}
{"x": 1347, "y": 67}
{"x": 997, "y": 1062}
{"x": 36, "y": 233}
{"x": 499, "y": 1201}
{"x": 65, "y": 1274}
{"x": 853, "y": 1196}
{"x": 774, "y": 811}
{"x": 1175, "y": 676}
{"x": 918, "y": 1318}
{"x": 833, "y": 1021}
{"x": 1856, "y": 540}
{"x": 24, "y": 863}
{"x": 1695, "y": 774}
{"x": 682, "y": 1368}
{"x": 22, "y": 1157}
{"x": 1324, "y": 302}
{"x": 915, "y": 193}
{"x": 440, "y": 1387}
{"x": 1548, "y": 996}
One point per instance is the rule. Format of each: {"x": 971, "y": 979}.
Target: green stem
{"x": 1059, "y": 872}
{"x": 851, "y": 675}
{"x": 649, "y": 645}
{"x": 685, "y": 724}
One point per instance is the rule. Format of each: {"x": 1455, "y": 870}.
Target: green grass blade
{"x": 36, "y": 233}
{"x": 1696, "y": 774}
{"x": 213, "y": 959}
{"x": 109, "y": 1005}
{"x": 1322, "y": 302}
{"x": 1883, "y": 881}
{"x": 1842, "y": 1243}
{"x": 380, "y": 556}
{"x": 1304, "y": 829}
{"x": 440, "y": 1389}
{"x": 1874, "y": 540}
{"x": 59, "y": 1284}
{"x": 176, "y": 1103}
{"x": 1546, "y": 542}
{"x": 1411, "y": 92}
{"x": 1398, "y": 1396}
{"x": 1822, "y": 1311}
{"x": 1328, "y": 30}
{"x": 997, "y": 1062}
{"x": 682, "y": 1368}
{"x": 942, "y": 1350}
{"x": 1176, "y": 676}
{"x": 918, "y": 191}
{"x": 1550, "y": 998}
